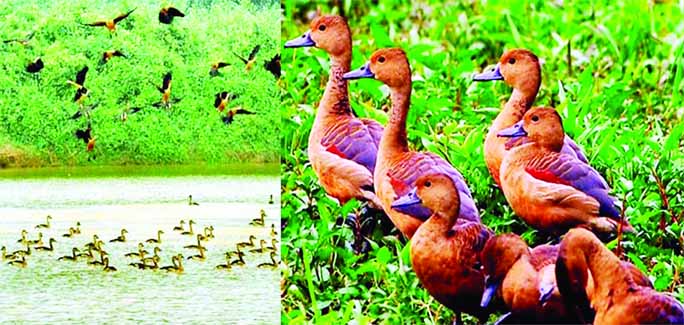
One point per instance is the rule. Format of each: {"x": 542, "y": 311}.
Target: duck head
{"x": 518, "y": 68}
{"x": 433, "y": 195}
{"x": 540, "y": 125}
{"x": 390, "y": 66}
{"x": 329, "y": 33}
{"x": 497, "y": 257}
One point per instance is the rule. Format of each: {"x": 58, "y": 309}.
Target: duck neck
{"x": 606, "y": 273}
{"x": 335, "y": 99}
{"x": 394, "y": 137}
{"x": 516, "y": 106}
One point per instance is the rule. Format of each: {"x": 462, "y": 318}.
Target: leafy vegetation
{"x": 620, "y": 92}
{"x": 36, "y": 128}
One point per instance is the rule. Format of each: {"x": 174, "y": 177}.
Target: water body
{"x": 54, "y": 291}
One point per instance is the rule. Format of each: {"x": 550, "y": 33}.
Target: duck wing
{"x": 354, "y": 139}
{"x": 406, "y": 171}
{"x": 571, "y": 148}
{"x": 559, "y": 168}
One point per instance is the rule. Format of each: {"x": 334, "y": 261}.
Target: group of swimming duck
{"x": 94, "y": 253}
{"x": 166, "y": 15}
{"x": 543, "y": 174}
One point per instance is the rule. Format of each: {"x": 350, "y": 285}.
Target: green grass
{"x": 621, "y": 100}
{"x": 36, "y": 128}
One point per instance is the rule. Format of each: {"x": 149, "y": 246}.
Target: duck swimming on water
{"x": 156, "y": 240}
{"x": 189, "y": 231}
{"x": 45, "y": 225}
{"x": 250, "y": 243}
{"x": 121, "y": 238}
{"x": 49, "y": 248}
{"x": 272, "y": 265}
{"x": 73, "y": 257}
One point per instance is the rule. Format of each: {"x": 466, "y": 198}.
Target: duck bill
{"x": 515, "y": 131}
{"x": 363, "y": 72}
{"x": 411, "y": 205}
{"x": 545, "y": 293}
{"x": 302, "y": 41}
{"x": 489, "y": 75}
{"x": 490, "y": 290}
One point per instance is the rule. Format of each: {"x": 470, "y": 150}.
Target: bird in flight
{"x": 108, "y": 55}
{"x": 249, "y": 61}
{"x": 23, "y": 41}
{"x": 166, "y": 14}
{"x": 81, "y": 91}
{"x": 222, "y": 99}
{"x": 215, "y": 68}
{"x": 273, "y": 66}
{"x": 110, "y": 24}
{"x": 232, "y": 112}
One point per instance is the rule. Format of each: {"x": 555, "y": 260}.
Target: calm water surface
{"x": 51, "y": 291}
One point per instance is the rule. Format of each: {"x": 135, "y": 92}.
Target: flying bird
{"x": 35, "y": 66}
{"x": 84, "y": 134}
{"x": 127, "y": 111}
{"x": 222, "y": 99}
{"x": 165, "y": 90}
{"x": 110, "y": 24}
{"x": 24, "y": 41}
{"x": 108, "y": 55}
{"x": 84, "y": 111}
{"x": 231, "y": 114}
{"x": 273, "y": 66}
{"x": 166, "y": 14}
{"x": 81, "y": 91}
{"x": 249, "y": 62}
{"x": 215, "y": 68}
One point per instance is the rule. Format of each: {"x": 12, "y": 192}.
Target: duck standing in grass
{"x": 342, "y": 148}
{"x": 551, "y": 190}
{"x": 616, "y": 297}
{"x": 445, "y": 250}
{"x": 520, "y": 69}
{"x": 398, "y": 168}
{"x": 525, "y": 279}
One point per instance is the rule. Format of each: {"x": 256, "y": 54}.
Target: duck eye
{"x": 428, "y": 184}
{"x": 321, "y": 28}
{"x": 535, "y": 118}
{"x": 381, "y": 59}
{"x": 511, "y": 60}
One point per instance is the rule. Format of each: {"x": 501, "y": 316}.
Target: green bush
{"x": 36, "y": 112}
{"x": 621, "y": 100}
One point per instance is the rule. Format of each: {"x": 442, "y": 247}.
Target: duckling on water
{"x": 250, "y": 243}
{"x": 50, "y": 248}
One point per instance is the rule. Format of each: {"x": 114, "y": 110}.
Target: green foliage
{"x": 621, "y": 100}
{"x": 36, "y": 113}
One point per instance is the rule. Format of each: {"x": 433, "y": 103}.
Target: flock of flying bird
{"x": 543, "y": 174}
{"x": 94, "y": 253}
{"x": 166, "y": 16}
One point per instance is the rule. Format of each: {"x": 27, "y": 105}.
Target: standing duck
{"x": 342, "y": 148}
{"x": 616, "y": 297}
{"x": 519, "y": 69}
{"x": 445, "y": 249}
{"x": 549, "y": 189}
{"x": 525, "y": 279}
{"x": 397, "y": 168}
